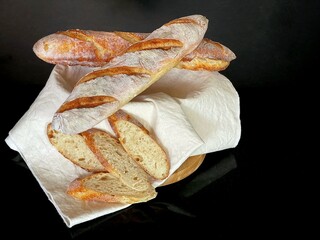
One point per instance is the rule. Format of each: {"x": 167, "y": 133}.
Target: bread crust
{"x": 80, "y": 47}
{"x": 96, "y": 48}
{"x": 156, "y": 60}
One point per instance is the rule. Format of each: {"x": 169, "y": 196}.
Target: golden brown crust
{"x": 74, "y": 33}
{"x": 154, "y": 44}
{"x": 197, "y": 64}
{"x": 80, "y": 47}
{"x": 181, "y": 21}
{"x": 94, "y": 48}
{"x": 211, "y": 50}
{"x": 121, "y": 115}
{"x": 174, "y": 43}
{"x": 77, "y": 190}
{"x": 88, "y": 135}
{"x": 113, "y": 71}
{"x": 82, "y": 36}
{"x": 131, "y": 37}
{"x": 86, "y": 102}
{"x": 50, "y": 132}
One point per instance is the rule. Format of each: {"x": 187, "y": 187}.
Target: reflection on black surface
{"x": 210, "y": 175}
{"x": 176, "y": 207}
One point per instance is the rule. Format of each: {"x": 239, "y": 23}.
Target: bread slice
{"x": 116, "y": 160}
{"x": 105, "y": 187}
{"x": 138, "y": 142}
{"x": 74, "y": 148}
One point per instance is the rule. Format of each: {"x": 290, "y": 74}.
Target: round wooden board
{"x": 186, "y": 169}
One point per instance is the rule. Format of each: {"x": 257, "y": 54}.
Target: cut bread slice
{"x": 74, "y": 148}
{"x": 105, "y": 187}
{"x": 138, "y": 142}
{"x": 116, "y": 160}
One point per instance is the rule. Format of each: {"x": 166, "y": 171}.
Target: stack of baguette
{"x": 121, "y": 165}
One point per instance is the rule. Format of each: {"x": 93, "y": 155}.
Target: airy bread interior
{"x": 116, "y": 160}
{"x": 75, "y": 149}
{"x": 143, "y": 148}
{"x": 107, "y": 188}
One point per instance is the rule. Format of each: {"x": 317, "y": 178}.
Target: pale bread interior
{"x": 122, "y": 164}
{"x": 143, "y": 148}
{"x": 75, "y": 149}
{"x": 107, "y": 187}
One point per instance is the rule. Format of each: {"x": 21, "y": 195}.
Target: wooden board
{"x": 186, "y": 169}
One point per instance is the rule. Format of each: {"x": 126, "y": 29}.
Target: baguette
{"x": 105, "y": 187}
{"x": 138, "y": 142}
{"x": 74, "y": 148}
{"x": 116, "y": 160}
{"x": 96, "y": 48}
{"x": 102, "y": 92}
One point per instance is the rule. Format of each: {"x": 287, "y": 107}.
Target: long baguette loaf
{"x": 96, "y": 48}
{"x": 140, "y": 144}
{"x": 101, "y": 93}
{"x": 105, "y": 187}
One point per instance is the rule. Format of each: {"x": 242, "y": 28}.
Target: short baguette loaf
{"x": 138, "y": 142}
{"x": 105, "y": 187}
{"x": 96, "y": 48}
{"x": 102, "y": 92}
{"x": 116, "y": 160}
{"x": 74, "y": 148}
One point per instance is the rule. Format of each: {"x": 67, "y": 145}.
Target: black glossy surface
{"x": 241, "y": 191}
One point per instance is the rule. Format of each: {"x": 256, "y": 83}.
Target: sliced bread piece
{"x": 138, "y": 142}
{"x": 116, "y": 160}
{"x": 74, "y": 148}
{"x": 105, "y": 187}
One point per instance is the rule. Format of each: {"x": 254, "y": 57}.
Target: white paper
{"x": 189, "y": 112}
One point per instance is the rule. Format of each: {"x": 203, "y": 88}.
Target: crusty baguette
{"x": 96, "y": 48}
{"x": 74, "y": 148}
{"x": 138, "y": 142}
{"x": 84, "y": 47}
{"x": 105, "y": 187}
{"x": 102, "y": 92}
{"x": 116, "y": 160}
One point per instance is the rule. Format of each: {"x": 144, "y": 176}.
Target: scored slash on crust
{"x": 86, "y": 102}
{"x": 113, "y": 71}
{"x": 155, "y": 43}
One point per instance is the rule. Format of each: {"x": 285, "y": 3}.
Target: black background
{"x": 274, "y": 40}
{"x": 277, "y": 49}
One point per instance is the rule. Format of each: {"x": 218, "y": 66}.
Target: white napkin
{"x": 189, "y": 112}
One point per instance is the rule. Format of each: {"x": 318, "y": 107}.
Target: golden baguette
{"x": 96, "y": 48}
{"x": 101, "y": 93}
